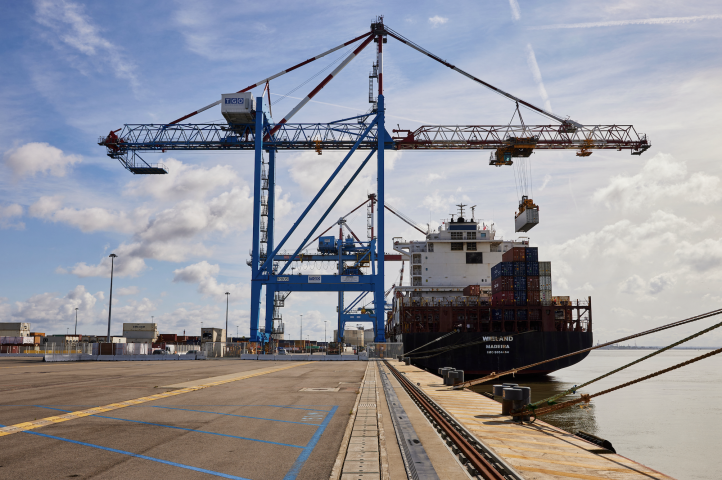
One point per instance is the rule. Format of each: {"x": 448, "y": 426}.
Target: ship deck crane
{"x": 365, "y": 132}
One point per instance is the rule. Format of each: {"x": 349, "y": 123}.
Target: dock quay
{"x": 251, "y": 419}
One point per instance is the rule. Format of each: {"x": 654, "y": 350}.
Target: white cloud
{"x": 547, "y": 179}
{"x": 515, "y": 11}
{"x": 644, "y": 21}
{"x": 204, "y": 274}
{"x": 433, "y": 177}
{"x": 662, "y": 178}
{"x": 536, "y": 73}
{"x": 73, "y": 28}
{"x": 438, "y": 202}
{"x": 36, "y": 157}
{"x": 52, "y": 310}
{"x": 89, "y": 219}
{"x": 703, "y": 256}
{"x": 645, "y": 290}
{"x": 8, "y": 213}
{"x": 436, "y": 20}
{"x": 183, "y": 181}
{"x": 127, "y": 291}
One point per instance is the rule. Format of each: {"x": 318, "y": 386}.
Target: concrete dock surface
{"x": 246, "y": 419}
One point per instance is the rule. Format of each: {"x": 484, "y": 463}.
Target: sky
{"x": 641, "y": 235}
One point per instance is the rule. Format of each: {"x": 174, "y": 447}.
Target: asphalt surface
{"x": 263, "y": 427}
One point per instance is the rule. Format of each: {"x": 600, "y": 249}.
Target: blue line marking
{"x": 234, "y": 415}
{"x": 137, "y": 455}
{"x": 296, "y": 468}
{"x": 186, "y": 429}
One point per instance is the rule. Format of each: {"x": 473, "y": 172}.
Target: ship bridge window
{"x": 471, "y": 236}
{"x": 471, "y": 245}
{"x": 431, "y": 247}
{"x": 416, "y": 259}
{"x": 457, "y": 246}
{"x": 416, "y": 270}
{"x": 474, "y": 257}
{"x": 457, "y": 235}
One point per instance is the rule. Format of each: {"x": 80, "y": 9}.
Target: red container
{"x": 516, "y": 254}
{"x": 503, "y": 298}
{"x": 502, "y": 284}
{"x": 472, "y": 291}
{"x": 534, "y": 315}
{"x": 533, "y": 298}
{"x": 532, "y": 284}
{"x": 168, "y": 337}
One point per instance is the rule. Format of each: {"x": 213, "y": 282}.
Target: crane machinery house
{"x": 238, "y": 107}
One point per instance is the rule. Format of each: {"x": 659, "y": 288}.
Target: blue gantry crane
{"x": 250, "y": 126}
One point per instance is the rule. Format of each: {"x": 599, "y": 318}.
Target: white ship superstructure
{"x": 460, "y": 253}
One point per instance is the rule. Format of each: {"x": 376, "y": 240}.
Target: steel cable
{"x": 678, "y": 323}
{"x": 587, "y": 398}
{"x": 577, "y": 387}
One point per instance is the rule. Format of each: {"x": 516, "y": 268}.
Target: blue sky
{"x": 641, "y": 235}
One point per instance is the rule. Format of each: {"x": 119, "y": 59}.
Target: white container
{"x": 545, "y": 282}
{"x": 545, "y": 296}
{"x": 527, "y": 220}
{"x": 545, "y": 269}
{"x": 238, "y": 107}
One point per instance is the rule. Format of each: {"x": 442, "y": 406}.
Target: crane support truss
{"x": 343, "y": 135}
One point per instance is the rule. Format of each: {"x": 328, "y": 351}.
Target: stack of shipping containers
{"x": 520, "y": 279}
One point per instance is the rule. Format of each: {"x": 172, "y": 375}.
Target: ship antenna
{"x": 461, "y": 209}
{"x": 472, "y": 213}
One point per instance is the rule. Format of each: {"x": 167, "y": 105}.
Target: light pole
{"x": 324, "y": 332}
{"x": 110, "y": 302}
{"x": 302, "y": 330}
{"x": 76, "y": 320}
{"x": 227, "y": 293}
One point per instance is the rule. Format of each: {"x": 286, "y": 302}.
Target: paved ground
{"x": 253, "y": 423}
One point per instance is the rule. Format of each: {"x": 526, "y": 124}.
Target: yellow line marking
{"x": 555, "y": 445}
{"x": 550, "y": 452}
{"x": 581, "y": 465}
{"x": 21, "y": 427}
{"x": 567, "y": 474}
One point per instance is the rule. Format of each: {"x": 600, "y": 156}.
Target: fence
{"x": 50, "y": 348}
{"x": 384, "y": 350}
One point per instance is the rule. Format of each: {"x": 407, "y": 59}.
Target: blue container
{"x": 502, "y": 269}
{"x": 496, "y": 315}
{"x": 520, "y": 283}
{"x": 519, "y": 269}
{"x": 532, "y": 269}
{"x": 520, "y": 297}
{"x": 532, "y": 254}
{"x": 509, "y": 315}
{"x": 521, "y": 315}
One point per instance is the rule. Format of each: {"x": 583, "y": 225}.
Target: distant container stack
{"x": 520, "y": 279}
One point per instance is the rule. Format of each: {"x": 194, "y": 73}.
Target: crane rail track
{"x": 478, "y": 459}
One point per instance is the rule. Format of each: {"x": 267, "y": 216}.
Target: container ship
{"x": 481, "y": 304}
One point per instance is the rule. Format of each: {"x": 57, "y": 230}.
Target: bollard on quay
{"x": 510, "y": 395}
{"x": 407, "y": 360}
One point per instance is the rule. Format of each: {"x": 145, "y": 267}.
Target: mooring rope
{"x": 577, "y": 387}
{"x": 587, "y": 398}
{"x": 494, "y": 376}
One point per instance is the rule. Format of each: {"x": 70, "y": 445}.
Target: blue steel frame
{"x": 264, "y": 272}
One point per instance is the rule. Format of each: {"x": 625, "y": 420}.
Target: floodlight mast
{"x": 363, "y": 132}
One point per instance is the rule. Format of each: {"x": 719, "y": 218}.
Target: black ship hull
{"x": 496, "y": 352}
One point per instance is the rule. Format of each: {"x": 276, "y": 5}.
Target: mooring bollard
{"x": 450, "y": 375}
{"x": 407, "y": 360}
{"x": 459, "y": 377}
{"x": 497, "y": 390}
{"x": 525, "y": 400}
{"x": 443, "y": 371}
{"x": 510, "y": 395}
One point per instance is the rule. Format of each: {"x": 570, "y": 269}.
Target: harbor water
{"x": 672, "y": 423}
